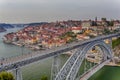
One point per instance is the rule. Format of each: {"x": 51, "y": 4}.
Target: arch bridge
{"x": 82, "y": 57}
{"x": 88, "y": 57}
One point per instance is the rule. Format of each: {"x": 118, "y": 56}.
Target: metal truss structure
{"x": 71, "y": 67}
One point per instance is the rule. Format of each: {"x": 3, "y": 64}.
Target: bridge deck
{"x": 22, "y": 60}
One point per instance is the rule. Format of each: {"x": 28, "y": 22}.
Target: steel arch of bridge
{"x": 71, "y": 67}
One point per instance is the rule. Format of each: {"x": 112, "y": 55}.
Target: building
{"x": 86, "y": 24}
{"x": 116, "y": 25}
{"x": 76, "y": 29}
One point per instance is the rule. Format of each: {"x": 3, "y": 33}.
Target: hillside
{"x": 2, "y": 29}
{"x": 3, "y": 25}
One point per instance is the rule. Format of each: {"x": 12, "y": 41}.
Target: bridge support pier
{"x": 110, "y": 43}
{"x": 55, "y": 66}
{"x": 18, "y": 74}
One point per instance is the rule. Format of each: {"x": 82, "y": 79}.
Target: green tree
{"x": 111, "y": 23}
{"x": 103, "y": 19}
{"x": 6, "y": 76}
{"x": 116, "y": 42}
{"x": 106, "y": 31}
{"x": 44, "y": 77}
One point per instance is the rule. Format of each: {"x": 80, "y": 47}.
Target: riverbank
{"x": 111, "y": 63}
{"x": 31, "y": 47}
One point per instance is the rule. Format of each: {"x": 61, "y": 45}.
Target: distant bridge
{"x": 73, "y": 64}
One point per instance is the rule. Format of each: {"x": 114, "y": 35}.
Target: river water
{"x": 35, "y": 70}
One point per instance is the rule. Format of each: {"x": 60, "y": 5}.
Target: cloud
{"x": 51, "y": 10}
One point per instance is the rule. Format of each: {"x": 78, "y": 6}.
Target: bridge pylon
{"x": 17, "y": 73}
{"x": 111, "y": 47}
{"x": 55, "y": 66}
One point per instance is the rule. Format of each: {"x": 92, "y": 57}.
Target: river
{"x": 7, "y": 50}
{"x": 35, "y": 70}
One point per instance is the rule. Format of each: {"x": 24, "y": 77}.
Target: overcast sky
{"x": 25, "y": 11}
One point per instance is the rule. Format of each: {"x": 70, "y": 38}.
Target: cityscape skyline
{"x": 20, "y": 11}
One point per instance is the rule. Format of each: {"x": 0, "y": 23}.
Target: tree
{"x": 44, "y": 78}
{"x": 111, "y": 23}
{"x": 106, "y": 31}
{"x": 116, "y": 42}
{"x": 6, "y": 76}
{"x": 103, "y": 19}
